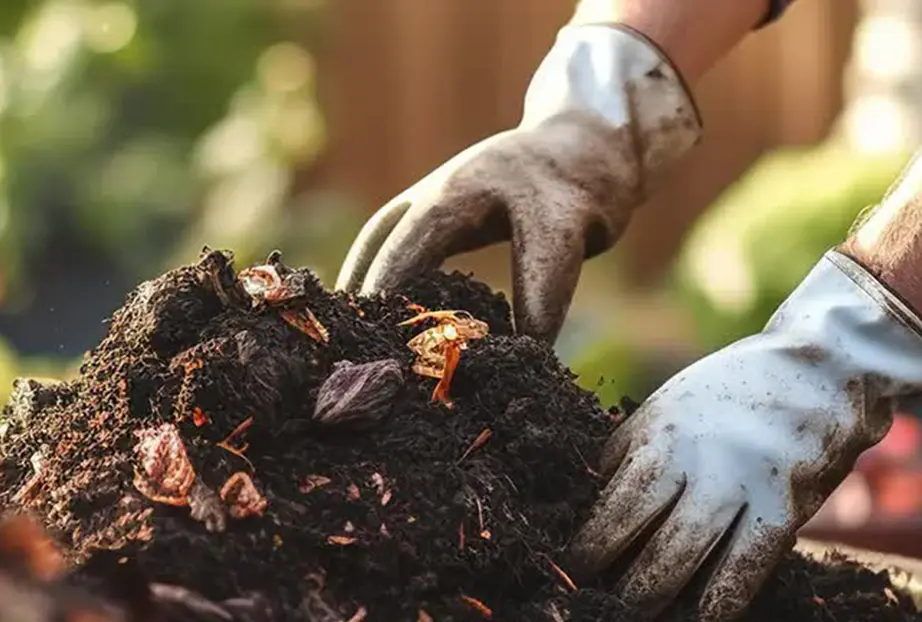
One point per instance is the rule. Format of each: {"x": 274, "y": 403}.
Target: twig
{"x": 563, "y": 575}
{"x": 477, "y": 606}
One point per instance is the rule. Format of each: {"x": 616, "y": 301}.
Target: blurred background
{"x": 132, "y": 133}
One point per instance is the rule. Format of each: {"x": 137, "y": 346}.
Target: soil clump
{"x": 189, "y": 452}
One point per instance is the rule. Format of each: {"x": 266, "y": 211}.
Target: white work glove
{"x": 604, "y": 113}
{"x": 735, "y": 453}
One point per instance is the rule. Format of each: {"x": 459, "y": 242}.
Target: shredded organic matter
{"x": 192, "y": 449}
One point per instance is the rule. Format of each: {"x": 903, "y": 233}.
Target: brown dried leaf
{"x": 165, "y": 474}
{"x": 306, "y": 322}
{"x": 242, "y": 497}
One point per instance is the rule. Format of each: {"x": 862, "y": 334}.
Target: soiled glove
{"x": 734, "y": 454}
{"x": 604, "y": 113}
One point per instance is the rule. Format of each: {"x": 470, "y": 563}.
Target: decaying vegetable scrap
{"x": 438, "y": 349}
{"x": 358, "y": 394}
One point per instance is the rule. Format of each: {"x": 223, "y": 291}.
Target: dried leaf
{"x": 306, "y": 322}
{"x": 165, "y": 474}
{"x": 312, "y": 482}
{"x": 362, "y": 393}
{"x": 242, "y": 497}
{"x": 341, "y": 540}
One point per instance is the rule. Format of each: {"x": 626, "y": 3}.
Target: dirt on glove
{"x": 190, "y": 449}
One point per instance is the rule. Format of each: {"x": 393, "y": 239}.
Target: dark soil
{"x": 415, "y": 529}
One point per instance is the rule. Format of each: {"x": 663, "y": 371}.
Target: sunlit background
{"x": 132, "y": 133}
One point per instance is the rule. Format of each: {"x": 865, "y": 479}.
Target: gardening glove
{"x": 715, "y": 473}
{"x": 604, "y": 114}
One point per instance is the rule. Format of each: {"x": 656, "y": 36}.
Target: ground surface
{"x": 396, "y": 518}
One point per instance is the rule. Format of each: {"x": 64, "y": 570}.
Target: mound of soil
{"x": 191, "y": 445}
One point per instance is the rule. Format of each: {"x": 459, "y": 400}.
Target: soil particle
{"x": 386, "y": 522}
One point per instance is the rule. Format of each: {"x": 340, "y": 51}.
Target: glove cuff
{"x": 623, "y": 78}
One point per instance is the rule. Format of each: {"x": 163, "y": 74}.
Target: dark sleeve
{"x": 776, "y": 9}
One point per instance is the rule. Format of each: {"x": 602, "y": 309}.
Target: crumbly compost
{"x": 189, "y": 445}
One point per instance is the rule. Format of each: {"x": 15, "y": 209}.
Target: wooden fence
{"x": 407, "y": 83}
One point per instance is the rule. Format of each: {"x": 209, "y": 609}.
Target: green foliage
{"x": 609, "y": 368}
{"x": 106, "y": 108}
{"x": 753, "y": 247}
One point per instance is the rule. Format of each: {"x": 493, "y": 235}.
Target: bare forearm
{"x": 889, "y": 241}
{"x": 695, "y": 34}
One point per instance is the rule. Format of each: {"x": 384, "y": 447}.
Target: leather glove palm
{"x": 734, "y": 454}
{"x": 604, "y": 113}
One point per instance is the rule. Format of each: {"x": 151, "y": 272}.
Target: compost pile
{"x": 254, "y": 434}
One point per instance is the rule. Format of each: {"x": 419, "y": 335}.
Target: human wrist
{"x": 888, "y": 241}
{"x": 695, "y": 34}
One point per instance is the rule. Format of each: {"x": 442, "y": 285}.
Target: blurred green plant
{"x": 135, "y": 126}
{"x": 753, "y": 247}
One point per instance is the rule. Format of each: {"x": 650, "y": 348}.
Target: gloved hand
{"x": 727, "y": 460}
{"x": 604, "y": 113}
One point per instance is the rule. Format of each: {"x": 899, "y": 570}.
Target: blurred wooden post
{"x": 409, "y": 83}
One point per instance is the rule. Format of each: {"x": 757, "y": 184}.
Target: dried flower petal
{"x": 165, "y": 474}
{"x": 242, "y": 497}
{"x": 362, "y": 393}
